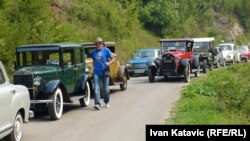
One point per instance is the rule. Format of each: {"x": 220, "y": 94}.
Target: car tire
{"x": 187, "y": 73}
{"x": 151, "y": 76}
{"x": 17, "y": 132}
{"x": 218, "y": 64}
{"x": 56, "y": 107}
{"x": 211, "y": 67}
{"x": 125, "y": 82}
{"x": 84, "y": 102}
{"x": 204, "y": 66}
{"x": 224, "y": 63}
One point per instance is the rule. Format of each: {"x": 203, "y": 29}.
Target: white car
{"x": 14, "y": 107}
{"x": 229, "y": 52}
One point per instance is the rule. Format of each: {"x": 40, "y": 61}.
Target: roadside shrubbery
{"x": 223, "y": 96}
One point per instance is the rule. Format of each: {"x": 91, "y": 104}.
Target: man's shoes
{"x": 97, "y": 107}
{"x": 107, "y": 105}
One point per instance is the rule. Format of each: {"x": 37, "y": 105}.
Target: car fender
{"x": 196, "y": 62}
{"x": 185, "y": 62}
{"x": 51, "y": 86}
{"x": 20, "y": 102}
{"x": 122, "y": 70}
{"x": 80, "y": 85}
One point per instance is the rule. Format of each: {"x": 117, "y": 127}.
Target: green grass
{"x": 221, "y": 97}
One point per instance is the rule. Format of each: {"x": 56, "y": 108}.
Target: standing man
{"x": 102, "y": 59}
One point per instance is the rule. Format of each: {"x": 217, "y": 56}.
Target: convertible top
{"x": 208, "y": 39}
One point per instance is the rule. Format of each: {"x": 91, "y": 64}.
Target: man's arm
{"x": 114, "y": 58}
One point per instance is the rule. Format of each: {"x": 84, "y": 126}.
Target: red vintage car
{"x": 178, "y": 59}
{"x": 244, "y": 53}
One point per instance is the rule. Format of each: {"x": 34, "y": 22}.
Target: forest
{"x": 132, "y": 24}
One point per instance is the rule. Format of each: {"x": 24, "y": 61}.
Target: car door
{"x": 7, "y": 92}
{"x": 69, "y": 76}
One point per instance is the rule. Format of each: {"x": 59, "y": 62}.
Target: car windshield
{"x": 43, "y": 57}
{"x": 201, "y": 46}
{"x": 144, "y": 54}
{"x": 225, "y": 47}
{"x": 242, "y": 48}
{"x": 173, "y": 45}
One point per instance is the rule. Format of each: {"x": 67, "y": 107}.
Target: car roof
{"x": 176, "y": 39}
{"x": 54, "y": 46}
{"x": 226, "y": 44}
{"x": 206, "y": 39}
{"x": 92, "y": 44}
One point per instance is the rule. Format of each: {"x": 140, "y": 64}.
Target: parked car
{"x": 138, "y": 65}
{"x": 118, "y": 73}
{"x": 204, "y": 48}
{"x": 229, "y": 52}
{"x": 54, "y": 74}
{"x": 244, "y": 53}
{"x": 14, "y": 107}
{"x": 218, "y": 58}
{"x": 177, "y": 59}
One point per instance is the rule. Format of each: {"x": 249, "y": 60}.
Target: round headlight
{"x": 37, "y": 81}
{"x": 87, "y": 69}
{"x": 129, "y": 65}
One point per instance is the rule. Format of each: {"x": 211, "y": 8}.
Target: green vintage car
{"x": 54, "y": 74}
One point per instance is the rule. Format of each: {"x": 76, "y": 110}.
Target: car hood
{"x": 138, "y": 60}
{"x": 226, "y": 52}
{"x": 244, "y": 52}
{"x": 40, "y": 69}
{"x": 176, "y": 52}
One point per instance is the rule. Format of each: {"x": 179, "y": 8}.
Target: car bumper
{"x": 138, "y": 71}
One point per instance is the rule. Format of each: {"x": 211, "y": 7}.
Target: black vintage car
{"x": 204, "y": 48}
{"x": 54, "y": 74}
{"x": 177, "y": 59}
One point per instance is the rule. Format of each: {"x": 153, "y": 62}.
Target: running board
{"x": 74, "y": 98}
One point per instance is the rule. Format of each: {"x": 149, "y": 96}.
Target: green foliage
{"x": 161, "y": 17}
{"x": 222, "y": 92}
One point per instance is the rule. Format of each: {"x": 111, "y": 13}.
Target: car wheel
{"x": 56, "y": 107}
{"x": 151, "y": 76}
{"x": 224, "y": 63}
{"x": 86, "y": 99}
{"x": 17, "y": 133}
{"x": 233, "y": 61}
{"x": 204, "y": 66}
{"x": 187, "y": 73}
{"x": 211, "y": 67}
{"x": 218, "y": 64}
{"x": 125, "y": 82}
{"x": 197, "y": 73}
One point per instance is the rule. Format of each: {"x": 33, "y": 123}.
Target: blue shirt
{"x": 100, "y": 57}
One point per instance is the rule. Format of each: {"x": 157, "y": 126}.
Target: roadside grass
{"x": 221, "y": 97}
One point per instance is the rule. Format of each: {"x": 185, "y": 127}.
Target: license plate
{"x": 139, "y": 71}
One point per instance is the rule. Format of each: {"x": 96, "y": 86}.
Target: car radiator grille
{"x": 168, "y": 63}
{"x": 26, "y": 80}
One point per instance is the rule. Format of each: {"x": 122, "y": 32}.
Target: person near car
{"x": 102, "y": 59}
